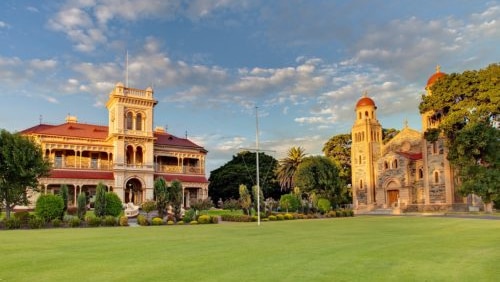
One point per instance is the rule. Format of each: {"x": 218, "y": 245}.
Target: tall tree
{"x": 161, "y": 195}
{"x": 225, "y": 180}
{"x": 175, "y": 197}
{"x": 288, "y": 166}
{"x": 100, "y": 200}
{"x": 320, "y": 175}
{"x": 245, "y": 199}
{"x": 64, "y": 195}
{"x": 466, "y": 105}
{"x": 21, "y": 164}
{"x": 338, "y": 149}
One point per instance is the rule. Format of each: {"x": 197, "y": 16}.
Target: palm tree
{"x": 288, "y": 166}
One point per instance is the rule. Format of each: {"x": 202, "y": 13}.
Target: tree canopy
{"x": 338, "y": 149}
{"x": 21, "y": 164}
{"x": 466, "y": 106}
{"x": 288, "y": 166}
{"x": 320, "y": 175}
{"x": 225, "y": 181}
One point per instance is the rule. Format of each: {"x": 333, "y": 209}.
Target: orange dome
{"x": 365, "y": 101}
{"x": 438, "y": 74}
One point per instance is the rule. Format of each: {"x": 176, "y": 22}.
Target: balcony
{"x": 179, "y": 169}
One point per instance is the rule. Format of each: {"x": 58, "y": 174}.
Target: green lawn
{"x": 340, "y": 249}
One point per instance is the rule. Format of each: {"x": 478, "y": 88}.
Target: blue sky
{"x": 304, "y": 64}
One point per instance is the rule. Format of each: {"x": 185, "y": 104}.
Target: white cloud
{"x": 4, "y": 24}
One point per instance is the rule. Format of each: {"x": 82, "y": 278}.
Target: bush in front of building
{"x": 109, "y": 220}
{"x": 12, "y": 223}
{"x": 156, "y": 221}
{"x": 123, "y": 220}
{"x": 92, "y": 220}
{"x": 114, "y": 206}
{"x": 35, "y": 222}
{"x": 74, "y": 222}
{"x": 100, "y": 200}
{"x": 324, "y": 205}
{"x": 23, "y": 216}
{"x": 204, "y": 219}
{"x": 56, "y": 222}
{"x": 189, "y": 216}
{"x": 142, "y": 220}
{"x": 49, "y": 207}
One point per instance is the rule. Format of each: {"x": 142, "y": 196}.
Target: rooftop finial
{"x": 406, "y": 123}
{"x": 438, "y": 68}
{"x": 365, "y": 93}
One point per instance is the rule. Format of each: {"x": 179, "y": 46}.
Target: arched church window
{"x": 129, "y": 121}
{"x": 359, "y": 115}
{"x": 420, "y": 173}
{"x": 386, "y": 165}
{"x": 359, "y": 159}
{"x": 138, "y": 122}
{"x": 366, "y": 113}
{"x": 395, "y": 164}
{"x": 436, "y": 177}
{"x": 361, "y": 184}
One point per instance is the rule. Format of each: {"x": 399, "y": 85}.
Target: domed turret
{"x": 437, "y": 75}
{"x": 365, "y": 101}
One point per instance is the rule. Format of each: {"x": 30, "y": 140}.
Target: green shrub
{"x": 280, "y": 217}
{"x": 339, "y": 213}
{"x": 179, "y": 222}
{"x": 204, "y": 219}
{"x": 324, "y": 205}
{"x": 100, "y": 200}
{"x": 345, "y": 213}
{"x": 49, "y": 207}
{"x": 92, "y": 220}
{"x": 12, "y": 223}
{"x": 272, "y": 217}
{"x": 142, "y": 220}
{"x": 109, "y": 220}
{"x": 254, "y": 218}
{"x": 23, "y": 216}
{"x": 265, "y": 219}
{"x": 170, "y": 222}
{"x": 289, "y": 202}
{"x": 236, "y": 217}
{"x": 231, "y": 204}
{"x": 35, "y": 222}
{"x": 148, "y": 207}
{"x": 288, "y": 216}
{"x": 123, "y": 221}
{"x": 332, "y": 214}
{"x": 156, "y": 221}
{"x": 194, "y": 222}
{"x": 56, "y": 222}
{"x": 214, "y": 219}
{"x": 114, "y": 205}
{"x": 74, "y": 222}
{"x": 189, "y": 216}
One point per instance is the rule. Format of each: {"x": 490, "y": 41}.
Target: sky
{"x": 215, "y": 64}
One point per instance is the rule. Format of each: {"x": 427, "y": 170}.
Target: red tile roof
{"x": 411, "y": 156}
{"x": 81, "y": 174}
{"x": 365, "y": 101}
{"x": 82, "y": 130}
{"x": 164, "y": 138}
{"x": 183, "y": 178}
{"x": 70, "y": 129}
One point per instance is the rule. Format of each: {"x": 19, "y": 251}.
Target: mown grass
{"x": 338, "y": 249}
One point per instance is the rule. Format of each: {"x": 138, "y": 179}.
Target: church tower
{"x": 131, "y": 132}
{"x": 365, "y": 149}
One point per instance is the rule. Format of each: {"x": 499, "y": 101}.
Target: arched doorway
{"x": 392, "y": 193}
{"x": 133, "y": 191}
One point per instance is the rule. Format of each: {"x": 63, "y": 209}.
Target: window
{"x": 93, "y": 161}
{"x": 420, "y": 173}
{"x": 395, "y": 164}
{"x": 361, "y": 184}
{"x": 129, "y": 121}
{"x": 436, "y": 177}
{"x": 138, "y": 122}
{"x": 386, "y": 165}
{"x": 359, "y": 159}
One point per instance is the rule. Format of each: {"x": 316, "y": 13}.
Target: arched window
{"x": 138, "y": 122}
{"x": 395, "y": 164}
{"x": 359, "y": 159}
{"x": 386, "y": 165}
{"x": 435, "y": 148}
{"x": 361, "y": 184}
{"x": 366, "y": 113}
{"x": 420, "y": 173}
{"x": 129, "y": 121}
{"x": 436, "y": 177}
{"x": 138, "y": 156}
{"x": 130, "y": 155}
{"x": 359, "y": 114}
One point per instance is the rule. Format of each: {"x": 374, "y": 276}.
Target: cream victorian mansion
{"x": 126, "y": 156}
{"x": 408, "y": 173}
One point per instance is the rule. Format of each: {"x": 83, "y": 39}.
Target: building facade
{"x": 127, "y": 156}
{"x": 408, "y": 173}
